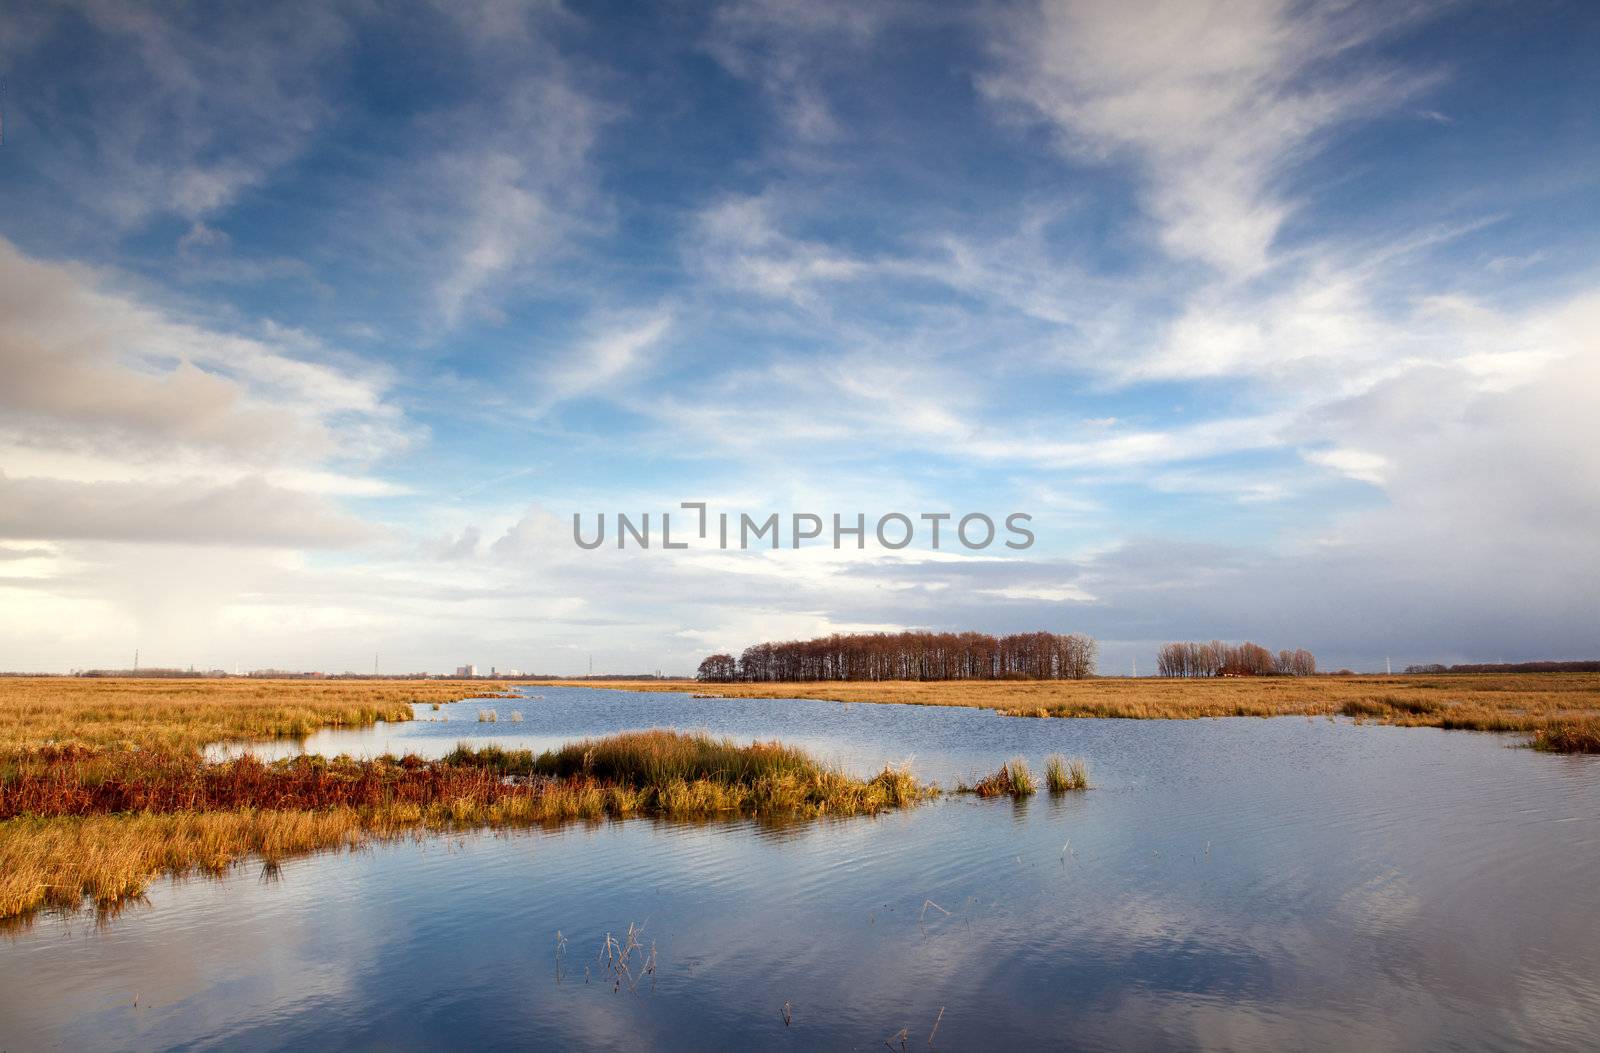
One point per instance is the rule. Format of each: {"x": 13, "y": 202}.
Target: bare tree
{"x": 1187, "y": 659}
{"x": 718, "y": 668}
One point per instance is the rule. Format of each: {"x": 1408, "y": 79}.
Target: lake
{"x": 1227, "y": 884}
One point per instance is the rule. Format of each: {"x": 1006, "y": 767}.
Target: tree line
{"x": 1589, "y": 666}
{"x": 1190, "y": 659}
{"x": 909, "y": 656}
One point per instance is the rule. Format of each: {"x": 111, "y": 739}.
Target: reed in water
{"x": 90, "y": 822}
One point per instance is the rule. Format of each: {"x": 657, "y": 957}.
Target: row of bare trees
{"x": 1216, "y": 658}
{"x": 1590, "y": 666}
{"x": 910, "y": 656}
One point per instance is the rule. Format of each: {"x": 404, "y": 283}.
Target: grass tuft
{"x": 1012, "y": 780}
{"x": 1569, "y": 736}
{"x": 1062, "y": 775}
{"x": 1022, "y": 780}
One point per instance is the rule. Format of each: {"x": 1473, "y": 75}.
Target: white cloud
{"x": 506, "y": 177}
{"x": 23, "y": 459}
{"x": 125, "y": 422}
{"x": 1357, "y": 464}
{"x": 742, "y": 246}
{"x": 1245, "y": 486}
{"x": 1046, "y": 593}
{"x": 200, "y": 237}
{"x": 611, "y": 359}
{"x": 9, "y": 552}
{"x": 88, "y": 369}
{"x": 248, "y": 512}
{"x": 194, "y": 113}
{"x": 791, "y": 50}
{"x": 1216, "y": 102}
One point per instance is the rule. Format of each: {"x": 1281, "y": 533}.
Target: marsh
{"x": 1225, "y": 883}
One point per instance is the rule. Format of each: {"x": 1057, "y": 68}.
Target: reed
{"x": 190, "y": 714}
{"x": 1012, "y": 780}
{"x": 1062, "y": 775}
{"x": 80, "y": 821}
{"x": 1522, "y": 702}
{"x": 1569, "y": 736}
{"x": 660, "y": 755}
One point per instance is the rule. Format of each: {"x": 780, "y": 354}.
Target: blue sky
{"x": 321, "y": 321}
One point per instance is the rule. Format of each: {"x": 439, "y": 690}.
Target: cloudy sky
{"x": 318, "y": 323}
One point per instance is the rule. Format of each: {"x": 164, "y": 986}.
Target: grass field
{"x": 188, "y": 714}
{"x": 1525, "y": 702}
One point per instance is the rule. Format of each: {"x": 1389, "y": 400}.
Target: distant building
{"x": 466, "y": 670}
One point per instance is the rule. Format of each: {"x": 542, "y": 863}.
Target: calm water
{"x": 1231, "y": 884}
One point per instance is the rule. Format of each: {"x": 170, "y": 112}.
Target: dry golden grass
{"x": 188, "y": 714}
{"x": 108, "y": 859}
{"x": 135, "y": 733}
{"x": 1569, "y": 736}
{"x": 1480, "y": 701}
{"x": 1062, "y": 775}
{"x": 58, "y": 858}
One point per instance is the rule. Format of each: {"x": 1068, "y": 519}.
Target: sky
{"x": 320, "y": 322}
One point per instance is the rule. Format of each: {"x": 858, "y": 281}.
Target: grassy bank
{"x": 1569, "y": 736}
{"x": 100, "y": 823}
{"x": 188, "y": 714}
{"x": 1526, "y": 702}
